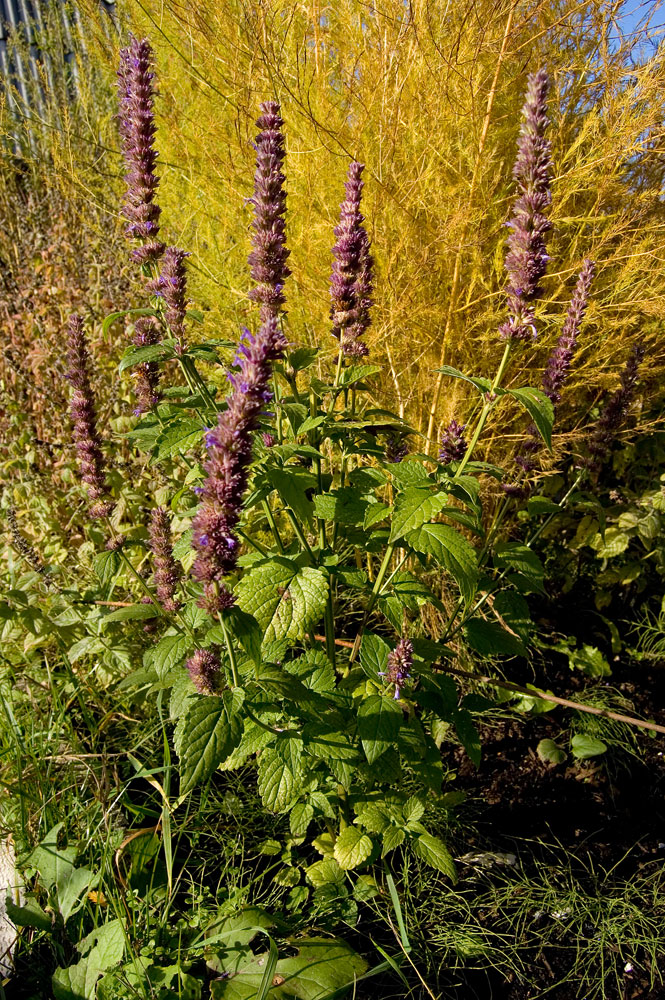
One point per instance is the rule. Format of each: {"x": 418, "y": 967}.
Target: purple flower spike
{"x": 171, "y": 286}
{"x": 166, "y": 569}
{"x": 136, "y": 120}
{"x": 84, "y": 420}
{"x": 146, "y": 333}
{"x": 398, "y": 667}
{"x": 558, "y": 365}
{"x": 268, "y": 257}
{"x": 527, "y": 257}
{"x": 396, "y": 449}
{"x": 204, "y": 668}
{"x": 453, "y": 444}
{"x": 229, "y": 446}
{"x": 615, "y": 410}
{"x": 353, "y": 270}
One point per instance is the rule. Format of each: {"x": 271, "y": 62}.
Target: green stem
{"x": 373, "y": 597}
{"x": 273, "y": 526}
{"x": 486, "y": 410}
{"x": 252, "y": 541}
{"x": 231, "y": 651}
{"x": 299, "y": 533}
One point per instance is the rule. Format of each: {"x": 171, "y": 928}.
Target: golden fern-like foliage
{"x": 427, "y": 93}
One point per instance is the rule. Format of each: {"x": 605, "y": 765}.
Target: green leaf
{"x": 392, "y": 838}
{"x": 137, "y": 612}
{"x": 287, "y": 600}
{"x": 379, "y": 720}
{"x": 374, "y": 514}
{"x": 410, "y": 473}
{"x": 278, "y": 784}
{"x": 540, "y": 409}
{"x": 583, "y": 746}
{"x": 247, "y": 630}
{"x": 169, "y": 652}
{"x": 178, "y": 436}
{"x": 550, "y": 753}
{"x": 490, "y": 639}
{"x": 114, "y": 316}
{"x": 105, "y": 947}
{"x": 483, "y": 385}
{"x": 352, "y": 848}
{"x": 468, "y": 735}
{"x": 590, "y": 661}
{"x": 314, "y": 670}
{"x": 514, "y": 611}
{"x": 355, "y": 373}
{"x": 300, "y": 817}
{"x": 301, "y": 358}
{"x": 28, "y": 915}
{"x": 144, "y": 355}
{"x": 524, "y": 561}
{"x": 346, "y": 506}
{"x": 106, "y": 566}
{"x": 71, "y": 886}
{"x": 205, "y": 736}
{"x": 291, "y": 484}
{"x": 450, "y": 549}
{"x": 412, "y": 508}
{"x": 373, "y": 655}
{"x": 435, "y": 853}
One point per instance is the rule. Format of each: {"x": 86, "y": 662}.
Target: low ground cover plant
{"x": 268, "y": 567}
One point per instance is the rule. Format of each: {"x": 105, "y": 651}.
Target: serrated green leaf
{"x": 247, "y": 630}
{"x": 137, "y": 612}
{"x": 524, "y": 561}
{"x": 346, "y": 505}
{"x": 205, "y": 736}
{"x": 278, "y": 785}
{"x": 540, "y": 409}
{"x": 491, "y": 639}
{"x": 144, "y": 355}
{"x": 373, "y": 655}
{"x": 178, "y": 436}
{"x": 374, "y": 514}
{"x": 352, "y": 848}
{"x": 435, "y": 853}
{"x": 314, "y": 670}
{"x": 355, "y": 373}
{"x": 291, "y": 484}
{"x": 379, "y": 720}
{"x": 392, "y": 838}
{"x": 468, "y": 735}
{"x": 299, "y": 819}
{"x": 451, "y": 550}
{"x": 412, "y": 508}
{"x": 170, "y": 652}
{"x": 287, "y": 600}
{"x": 483, "y": 385}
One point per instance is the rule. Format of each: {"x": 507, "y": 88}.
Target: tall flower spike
{"x": 204, "y": 668}
{"x": 84, "y": 420}
{"x": 146, "y": 333}
{"x": 353, "y": 270}
{"x": 615, "y": 411}
{"x": 559, "y": 361}
{"x": 398, "y": 666}
{"x": 527, "y": 257}
{"x": 268, "y": 257}
{"x": 171, "y": 286}
{"x": 229, "y": 447}
{"x": 453, "y": 443}
{"x": 136, "y": 120}
{"x": 166, "y": 570}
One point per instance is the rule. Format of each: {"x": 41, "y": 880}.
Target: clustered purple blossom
{"x": 229, "y": 447}
{"x": 136, "y": 120}
{"x": 558, "y": 364}
{"x": 204, "y": 668}
{"x": 453, "y": 443}
{"x": 146, "y": 333}
{"x": 353, "y": 269}
{"x": 527, "y": 256}
{"x": 398, "y": 666}
{"x": 269, "y": 253}
{"x": 84, "y": 420}
{"x": 615, "y": 410}
{"x": 166, "y": 570}
{"x": 171, "y": 286}
{"x": 397, "y": 448}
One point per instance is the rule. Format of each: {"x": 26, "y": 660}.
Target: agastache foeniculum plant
{"x": 308, "y": 541}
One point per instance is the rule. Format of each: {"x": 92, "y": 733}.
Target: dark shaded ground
{"x": 608, "y": 812}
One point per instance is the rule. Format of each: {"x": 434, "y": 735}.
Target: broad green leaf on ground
{"x": 435, "y": 853}
{"x": 379, "y": 720}
{"x": 550, "y": 753}
{"x": 583, "y": 747}
{"x": 412, "y": 508}
{"x": 105, "y": 947}
{"x": 451, "y": 550}
{"x": 30, "y": 914}
{"x": 279, "y": 783}
{"x": 287, "y": 600}
{"x": 205, "y": 736}
{"x": 540, "y": 409}
{"x": 352, "y": 847}
{"x": 71, "y": 886}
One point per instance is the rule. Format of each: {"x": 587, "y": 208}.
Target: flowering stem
{"x": 230, "y": 650}
{"x": 486, "y": 410}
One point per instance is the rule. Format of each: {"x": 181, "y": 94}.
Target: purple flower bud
{"x": 353, "y": 270}
{"x": 269, "y": 440}
{"x": 166, "y": 570}
{"x": 527, "y": 258}
{"x": 615, "y": 411}
{"x": 558, "y": 364}
{"x": 268, "y": 257}
{"x": 396, "y": 448}
{"x": 146, "y": 333}
{"x": 204, "y": 668}
{"x": 398, "y": 666}
{"x": 84, "y": 420}
{"x": 136, "y": 121}
{"x": 229, "y": 447}
{"x": 453, "y": 444}
{"x": 171, "y": 286}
